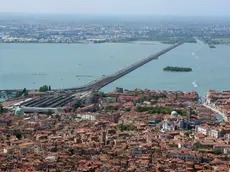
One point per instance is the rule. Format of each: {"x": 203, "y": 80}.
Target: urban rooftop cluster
{"x": 124, "y": 130}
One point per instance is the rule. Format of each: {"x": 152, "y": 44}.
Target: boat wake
{"x": 194, "y": 54}
{"x": 200, "y": 43}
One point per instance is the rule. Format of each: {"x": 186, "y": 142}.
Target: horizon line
{"x": 114, "y": 14}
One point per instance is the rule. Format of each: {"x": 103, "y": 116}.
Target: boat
{"x": 212, "y": 46}
{"x": 194, "y": 84}
{"x": 43, "y": 74}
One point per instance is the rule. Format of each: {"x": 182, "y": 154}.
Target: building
{"x": 119, "y": 90}
{"x": 3, "y": 96}
{"x": 212, "y": 132}
{"x": 189, "y": 112}
{"x": 221, "y": 147}
{"x": 186, "y": 156}
{"x": 215, "y": 133}
{"x": 168, "y": 126}
{"x": 202, "y": 129}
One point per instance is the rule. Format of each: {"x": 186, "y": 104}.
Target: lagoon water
{"x": 61, "y": 65}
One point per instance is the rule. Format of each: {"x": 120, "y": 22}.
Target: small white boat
{"x": 194, "y": 84}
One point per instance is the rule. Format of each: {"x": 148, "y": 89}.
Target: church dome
{"x": 19, "y": 111}
{"x": 174, "y": 113}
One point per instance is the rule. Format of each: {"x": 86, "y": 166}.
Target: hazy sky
{"x": 165, "y": 7}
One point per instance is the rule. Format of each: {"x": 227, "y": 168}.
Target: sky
{"x": 149, "y": 7}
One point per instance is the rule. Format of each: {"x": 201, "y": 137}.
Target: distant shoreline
{"x": 66, "y": 42}
{"x": 118, "y": 42}
{"x": 92, "y": 41}
{"x": 130, "y": 42}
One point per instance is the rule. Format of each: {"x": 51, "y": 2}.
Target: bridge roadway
{"x": 102, "y": 82}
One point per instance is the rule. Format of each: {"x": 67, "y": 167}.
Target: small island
{"x": 177, "y": 69}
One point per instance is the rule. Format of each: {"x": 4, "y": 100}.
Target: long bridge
{"x": 102, "y": 82}
{"x": 50, "y": 103}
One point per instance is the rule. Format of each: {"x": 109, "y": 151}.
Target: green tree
{"x": 217, "y": 152}
{"x": 1, "y": 108}
{"x": 18, "y": 135}
{"x": 142, "y": 98}
{"x": 187, "y": 133}
{"x": 18, "y": 94}
{"x": 44, "y": 88}
{"x": 78, "y": 104}
{"x": 159, "y": 110}
{"x": 24, "y": 92}
{"x": 110, "y": 108}
{"x": 99, "y": 94}
{"x": 128, "y": 109}
{"x": 155, "y": 130}
{"x": 126, "y": 127}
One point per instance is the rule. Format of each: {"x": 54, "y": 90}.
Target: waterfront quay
{"x": 219, "y": 102}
